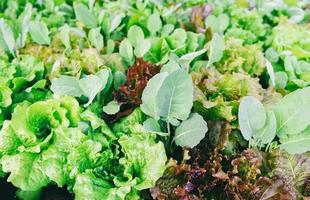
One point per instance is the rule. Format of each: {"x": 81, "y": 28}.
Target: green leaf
{"x": 119, "y": 79}
{"x": 154, "y": 23}
{"x": 149, "y": 101}
{"x": 186, "y": 59}
{"x": 135, "y": 35}
{"x": 66, "y": 85}
{"x": 116, "y": 21}
{"x": 144, "y": 156}
{"x": 7, "y": 41}
{"x": 39, "y": 32}
{"x": 270, "y": 72}
{"x": 281, "y": 80}
{"x": 125, "y": 50}
{"x": 170, "y": 67}
{"x": 84, "y": 15}
{"x": 25, "y": 171}
{"x": 292, "y": 113}
{"x": 175, "y": 97}
{"x": 95, "y": 38}
{"x": 29, "y": 195}
{"x": 91, "y": 85}
{"x": 217, "y": 48}
{"x": 88, "y": 186}
{"x": 110, "y": 46}
{"x": 251, "y": 115}
{"x": 111, "y": 108}
{"x": 296, "y": 143}
{"x": 266, "y": 134}
{"x": 191, "y": 131}
{"x": 64, "y": 36}
{"x": 142, "y": 48}
{"x": 152, "y": 125}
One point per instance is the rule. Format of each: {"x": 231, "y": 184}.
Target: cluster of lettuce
{"x": 55, "y": 142}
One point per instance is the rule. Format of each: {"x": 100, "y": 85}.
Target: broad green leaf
{"x": 170, "y": 67}
{"x": 111, "y": 108}
{"x": 142, "y": 48}
{"x": 154, "y": 23}
{"x": 39, "y": 32}
{"x": 292, "y": 113}
{"x": 66, "y": 85}
{"x": 149, "y": 101}
{"x": 151, "y": 125}
{"x": 174, "y": 99}
{"x": 296, "y": 143}
{"x": 95, "y": 38}
{"x": 84, "y": 15}
{"x": 266, "y": 134}
{"x": 135, "y": 35}
{"x": 191, "y": 131}
{"x": 91, "y": 85}
{"x": 116, "y": 21}
{"x": 217, "y": 48}
{"x": 125, "y": 50}
{"x": 64, "y": 36}
{"x": 251, "y": 115}
{"x": 7, "y": 41}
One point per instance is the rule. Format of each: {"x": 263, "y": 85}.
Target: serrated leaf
{"x": 191, "y": 131}
{"x": 39, "y": 32}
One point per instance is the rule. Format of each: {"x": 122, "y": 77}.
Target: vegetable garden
{"x": 154, "y": 99}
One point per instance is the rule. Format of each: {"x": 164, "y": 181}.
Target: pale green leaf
{"x": 149, "y": 101}
{"x": 251, "y": 115}
{"x": 135, "y": 35}
{"x": 91, "y": 85}
{"x": 217, "y": 48}
{"x": 111, "y": 108}
{"x": 96, "y": 38}
{"x": 191, "y": 131}
{"x": 39, "y": 32}
{"x": 66, "y": 85}
{"x": 84, "y": 15}
{"x": 175, "y": 97}
{"x": 154, "y": 23}
{"x": 7, "y": 41}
